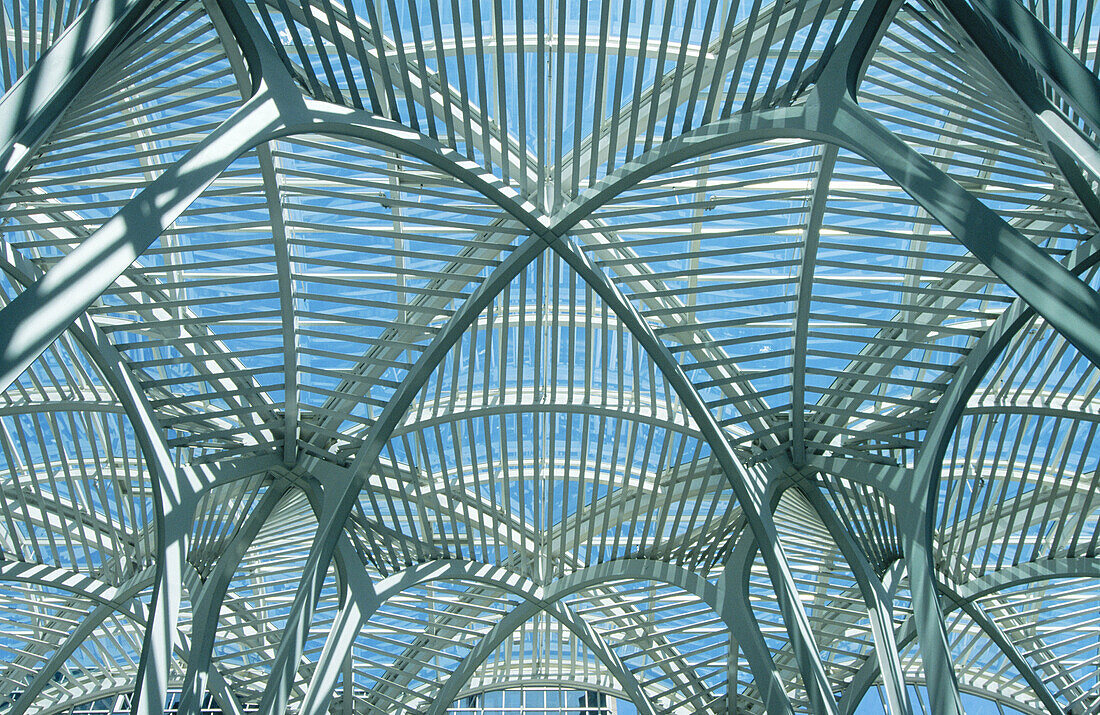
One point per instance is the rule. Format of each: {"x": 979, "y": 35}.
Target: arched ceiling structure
{"x": 718, "y": 355}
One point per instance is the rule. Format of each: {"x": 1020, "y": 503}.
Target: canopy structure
{"x": 679, "y": 356}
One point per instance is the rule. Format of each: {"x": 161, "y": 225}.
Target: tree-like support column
{"x": 828, "y": 114}
{"x": 880, "y": 607}
{"x": 211, "y": 596}
{"x": 752, "y": 491}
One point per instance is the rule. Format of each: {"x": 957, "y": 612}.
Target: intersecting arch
{"x": 445, "y": 108}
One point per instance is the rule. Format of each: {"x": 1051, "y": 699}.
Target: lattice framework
{"x": 722, "y": 357}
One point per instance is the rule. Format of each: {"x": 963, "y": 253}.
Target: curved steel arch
{"x": 211, "y": 595}
{"x": 1006, "y": 646}
{"x": 310, "y": 110}
{"x": 111, "y": 600}
{"x": 504, "y": 628}
{"x": 1018, "y": 575}
{"x": 765, "y": 125}
{"x": 878, "y": 600}
{"x": 173, "y": 501}
{"x": 740, "y": 136}
{"x": 366, "y": 597}
{"x": 311, "y": 116}
{"x": 752, "y": 493}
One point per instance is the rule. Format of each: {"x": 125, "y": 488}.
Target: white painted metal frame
{"x": 515, "y": 367}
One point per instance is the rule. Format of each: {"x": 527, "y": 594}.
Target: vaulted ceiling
{"x": 362, "y": 355}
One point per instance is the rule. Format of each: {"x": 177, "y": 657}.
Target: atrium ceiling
{"x": 719, "y": 356}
